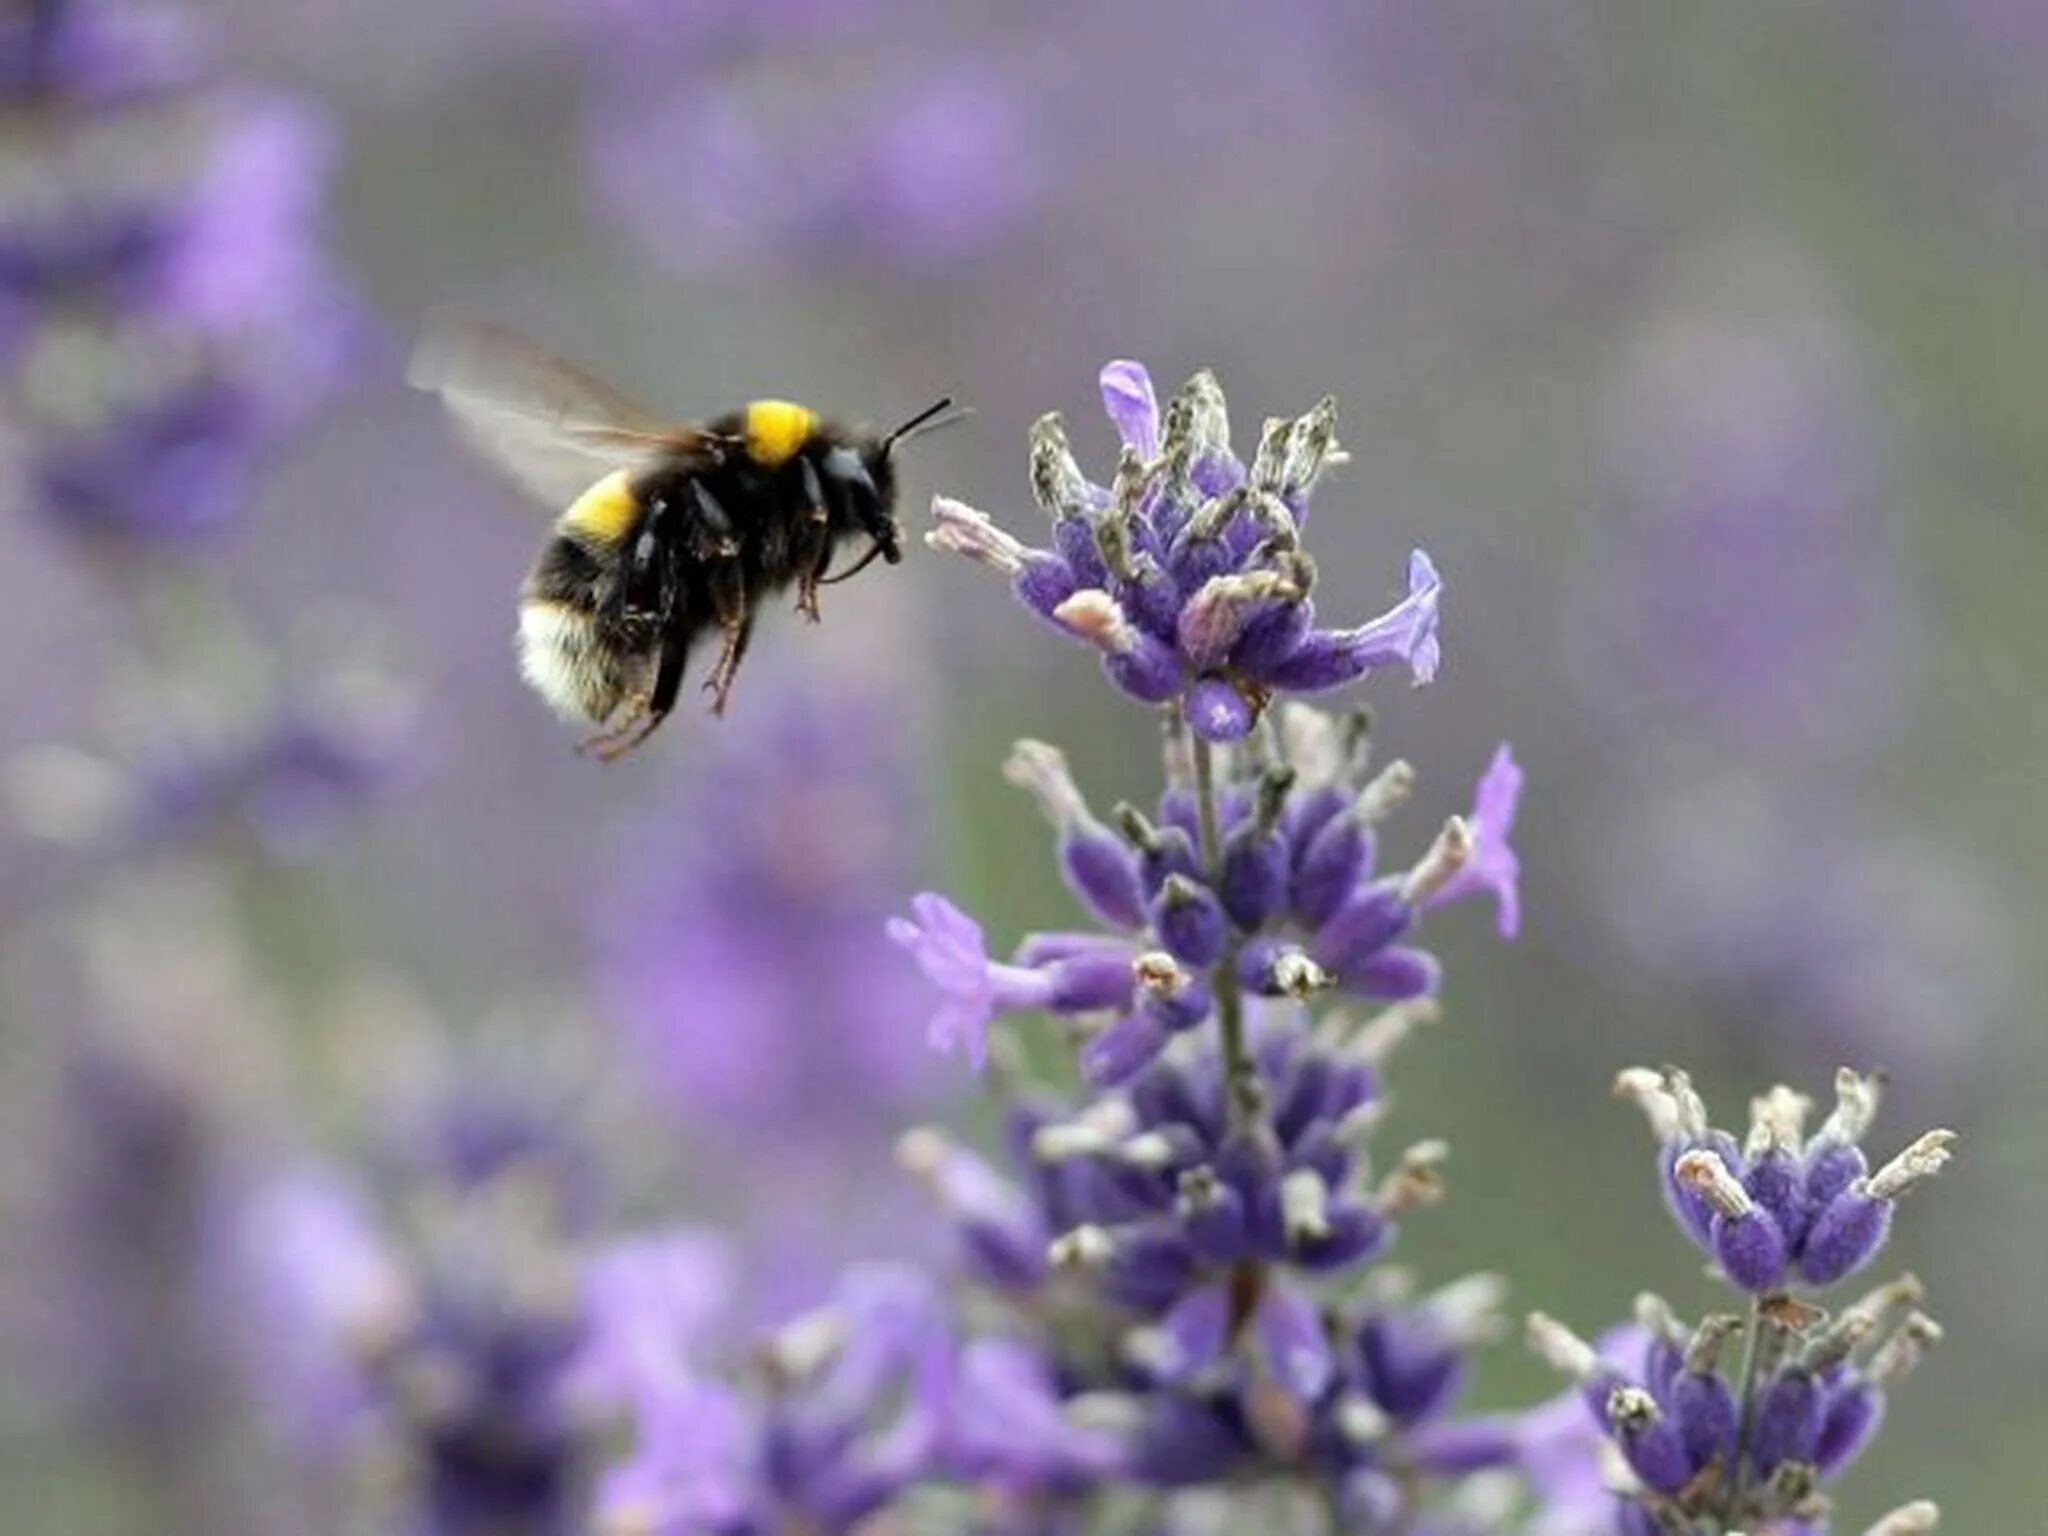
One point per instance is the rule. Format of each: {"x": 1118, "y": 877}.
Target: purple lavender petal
{"x": 1127, "y": 396}
{"x": 947, "y": 945}
{"x": 1493, "y": 866}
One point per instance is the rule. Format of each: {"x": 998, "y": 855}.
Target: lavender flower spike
{"x": 1186, "y": 572}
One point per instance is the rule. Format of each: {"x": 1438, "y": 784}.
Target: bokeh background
{"x": 1703, "y": 347}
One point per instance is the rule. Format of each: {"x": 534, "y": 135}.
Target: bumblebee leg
{"x": 644, "y": 586}
{"x": 737, "y": 633}
{"x": 813, "y": 542}
{"x": 623, "y": 737}
{"x": 714, "y": 537}
{"x": 646, "y": 711}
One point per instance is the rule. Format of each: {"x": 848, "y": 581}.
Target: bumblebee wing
{"x": 554, "y": 428}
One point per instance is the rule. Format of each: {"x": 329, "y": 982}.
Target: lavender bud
{"x": 1854, "y": 1413}
{"x": 1042, "y": 580}
{"x": 1364, "y": 925}
{"x": 1254, "y": 882}
{"x": 1073, "y": 541}
{"x": 1845, "y": 1237}
{"x": 1653, "y": 1448}
{"x": 1250, "y": 1161}
{"x": 1099, "y": 868}
{"x": 1830, "y": 1170}
{"x": 1396, "y": 975}
{"x": 1216, "y": 617}
{"x": 1788, "y": 1423}
{"x": 1565, "y": 1352}
{"x": 1120, "y": 1052}
{"x": 1847, "y": 1234}
{"x": 1412, "y": 1367}
{"x": 1090, "y": 980}
{"x": 1272, "y": 636}
{"x": 1746, "y": 1239}
{"x": 1192, "y": 1337}
{"x": 1141, "y": 665}
{"x": 1331, "y": 865}
{"x": 1000, "y": 1230}
{"x": 1774, "y": 1180}
{"x": 1704, "y": 1409}
{"x": 1921, "y": 1161}
{"x": 1211, "y": 1215}
{"x": 1218, "y": 710}
{"x": 1645, "y": 1088}
{"x": 1353, "y": 1234}
{"x": 1177, "y": 998}
{"x": 1271, "y": 967}
{"x": 1292, "y": 1342}
{"x": 1901, "y": 1352}
{"x": 1189, "y": 921}
{"x": 1162, "y": 850}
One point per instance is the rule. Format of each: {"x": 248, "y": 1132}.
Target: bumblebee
{"x": 671, "y": 530}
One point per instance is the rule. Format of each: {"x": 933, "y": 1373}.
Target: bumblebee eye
{"x": 848, "y": 474}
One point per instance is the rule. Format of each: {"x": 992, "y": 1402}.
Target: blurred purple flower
{"x": 166, "y": 312}
{"x": 457, "y": 1327}
{"x": 856, "y": 1403}
{"x": 1759, "y": 601}
{"x": 948, "y": 947}
{"x": 322, "y": 1291}
{"x": 654, "y": 1302}
{"x": 1762, "y": 624}
{"x": 141, "y": 1181}
{"x": 1800, "y": 927}
{"x": 742, "y": 954}
{"x": 750, "y": 134}
{"x": 287, "y": 765}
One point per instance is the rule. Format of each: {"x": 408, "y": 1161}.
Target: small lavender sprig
{"x": 1710, "y": 1445}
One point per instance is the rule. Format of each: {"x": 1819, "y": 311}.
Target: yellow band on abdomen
{"x": 604, "y": 513}
{"x": 776, "y": 429}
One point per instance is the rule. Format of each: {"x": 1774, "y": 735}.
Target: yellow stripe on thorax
{"x": 606, "y": 512}
{"x": 776, "y": 429}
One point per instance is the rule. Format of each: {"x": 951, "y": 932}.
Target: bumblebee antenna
{"x": 931, "y": 419}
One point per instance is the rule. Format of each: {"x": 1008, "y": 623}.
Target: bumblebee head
{"x": 878, "y": 517}
{"x": 881, "y": 468}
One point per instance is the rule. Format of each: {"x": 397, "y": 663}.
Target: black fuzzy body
{"x": 713, "y": 535}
